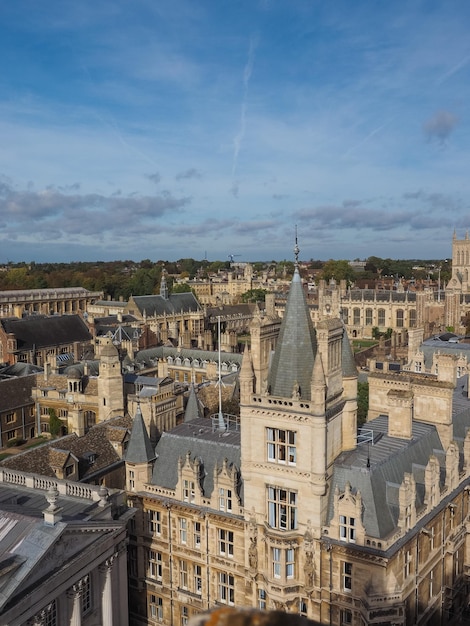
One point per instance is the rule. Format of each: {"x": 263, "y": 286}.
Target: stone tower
{"x": 295, "y": 425}
{"x": 110, "y": 382}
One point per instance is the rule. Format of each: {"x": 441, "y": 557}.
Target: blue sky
{"x": 155, "y": 129}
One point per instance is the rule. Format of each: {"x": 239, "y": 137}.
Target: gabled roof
{"x": 296, "y": 347}
{"x": 97, "y": 442}
{"x": 40, "y": 332}
{"x": 158, "y": 305}
{"x": 16, "y": 392}
{"x": 377, "y": 470}
{"x": 210, "y": 446}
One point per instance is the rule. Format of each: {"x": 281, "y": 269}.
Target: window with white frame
{"x": 283, "y": 563}
{"x": 368, "y": 317}
{"x": 277, "y": 562}
{"x": 347, "y": 529}
{"x": 189, "y": 493}
{"x": 262, "y": 599}
{"x": 131, "y": 480}
{"x": 290, "y": 563}
{"x": 345, "y": 617}
{"x": 225, "y": 542}
{"x": 156, "y": 607}
{"x": 183, "y": 567}
{"x": 226, "y": 588}
{"x": 154, "y": 522}
{"x": 155, "y": 565}
{"x": 346, "y": 575}
{"x": 282, "y": 508}
{"x": 198, "y": 579}
{"x": 281, "y": 446}
{"x": 303, "y": 607}
{"x": 183, "y": 526}
{"x": 184, "y": 615}
{"x": 197, "y": 534}
{"x": 225, "y": 500}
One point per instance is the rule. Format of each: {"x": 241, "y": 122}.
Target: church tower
{"x": 291, "y": 433}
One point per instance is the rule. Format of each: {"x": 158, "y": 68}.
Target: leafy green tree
{"x": 180, "y": 288}
{"x": 339, "y": 270}
{"x": 254, "y": 295}
{"x": 55, "y": 424}
{"x": 362, "y": 403}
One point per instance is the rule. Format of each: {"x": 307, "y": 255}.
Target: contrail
{"x": 237, "y": 140}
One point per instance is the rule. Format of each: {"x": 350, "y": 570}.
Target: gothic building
{"x": 287, "y": 507}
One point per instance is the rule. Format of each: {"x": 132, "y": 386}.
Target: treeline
{"x": 121, "y": 279}
{"x": 118, "y": 279}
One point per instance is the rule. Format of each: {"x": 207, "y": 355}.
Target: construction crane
{"x": 232, "y": 256}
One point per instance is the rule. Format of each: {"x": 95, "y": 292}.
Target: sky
{"x": 150, "y": 129}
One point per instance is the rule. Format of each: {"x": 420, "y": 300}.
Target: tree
{"x": 180, "y": 288}
{"x": 55, "y": 424}
{"x": 254, "y": 295}
{"x": 362, "y": 403}
{"x": 339, "y": 270}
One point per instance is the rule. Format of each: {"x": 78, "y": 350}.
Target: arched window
{"x": 368, "y": 317}
{"x": 356, "y": 316}
{"x": 412, "y": 318}
{"x": 400, "y": 318}
{"x": 381, "y": 317}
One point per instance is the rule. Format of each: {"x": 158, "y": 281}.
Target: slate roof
{"x": 430, "y": 346}
{"x": 40, "y": 332}
{"x": 156, "y": 305}
{"x": 296, "y": 347}
{"x": 389, "y": 458}
{"x": 149, "y": 356}
{"x": 203, "y": 442}
{"x": 140, "y": 449}
{"x": 16, "y": 392}
{"x": 193, "y": 407}
{"x": 42, "y": 459}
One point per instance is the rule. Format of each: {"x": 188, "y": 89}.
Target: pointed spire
{"x": 140, "y": 449}
{"x": 193, "y": 408}
{"x": 246, "y": 377}
{"x": 164, "y": 286}
{"x": 318, "y": 385}
{"x": 296, "y": 347}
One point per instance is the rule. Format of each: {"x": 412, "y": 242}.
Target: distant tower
{"x": 110, "y": 382}
{"x": 164, "y": 286}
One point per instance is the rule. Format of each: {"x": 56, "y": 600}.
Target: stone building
{"x": 288, "y": 508}
{"x": 58, "y": 301}
{"x": 176, "y": 317}
{"x": 82, "y": 394}
{"x": 17, "y": 414}
{"x": 37, "y": 339}
{"x": 63, "y": 552}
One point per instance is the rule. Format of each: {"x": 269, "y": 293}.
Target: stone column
{"x": 75, "y": 592}
{"x": 106, "y": 568}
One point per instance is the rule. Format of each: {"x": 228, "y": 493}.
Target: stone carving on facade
{"x": 253, "y": 554}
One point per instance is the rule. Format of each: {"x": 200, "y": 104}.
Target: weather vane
{"x": 296, "y": 249}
